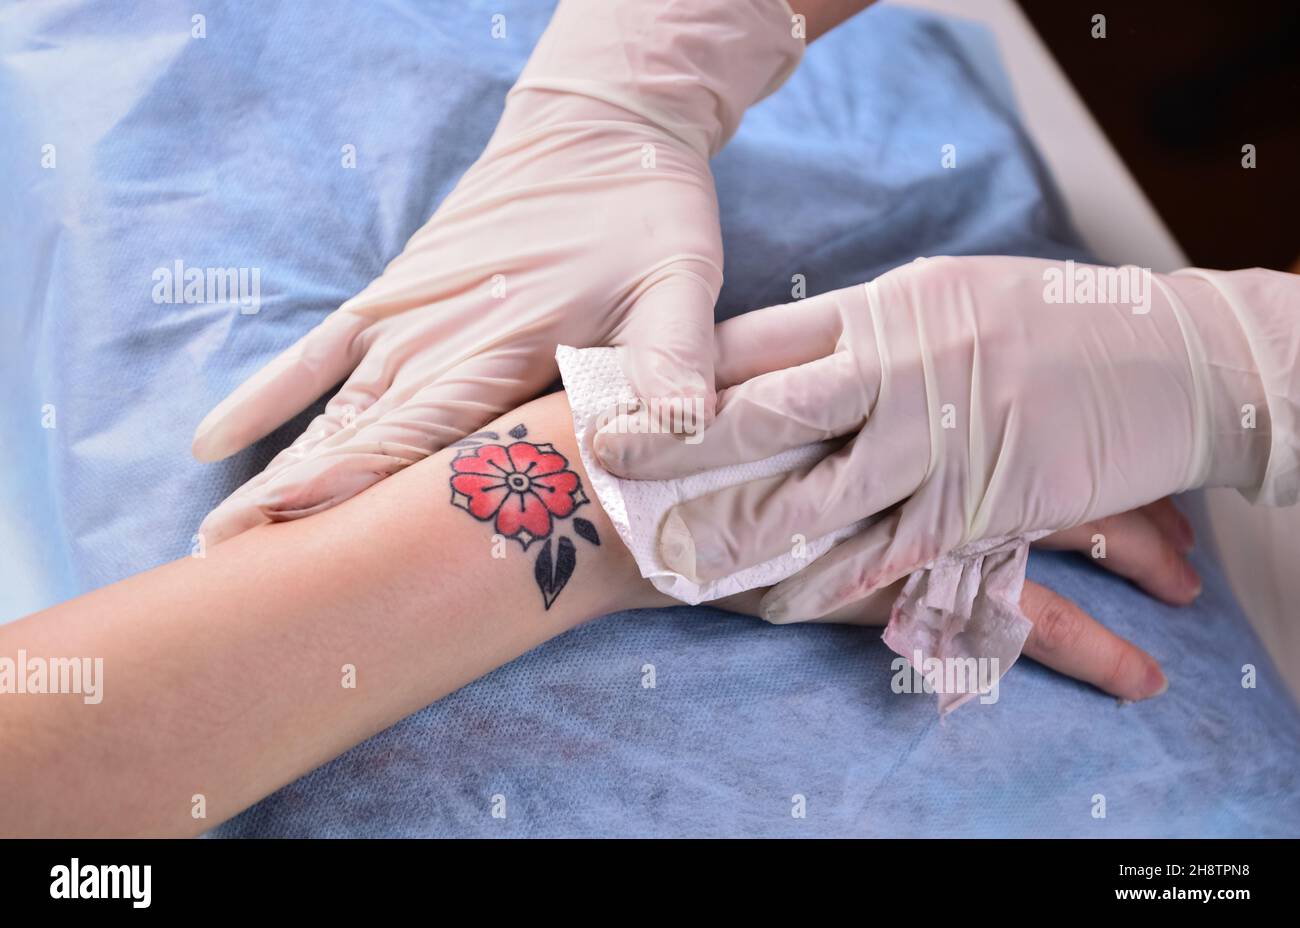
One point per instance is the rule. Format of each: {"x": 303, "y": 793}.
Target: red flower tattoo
{"x": 522, "y": 486}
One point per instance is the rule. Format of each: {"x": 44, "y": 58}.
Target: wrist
{"x": 540, "y": 525}
{"x": 1237, "y": 421}
{"x": 692, "y": 69}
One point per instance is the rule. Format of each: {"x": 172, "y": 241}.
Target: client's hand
{"x": 975, "y": 404}
{"x": 1064, "y": 638}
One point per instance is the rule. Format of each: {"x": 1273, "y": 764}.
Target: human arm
{"x": 224, "y": 676}
{"x": 976, "y": 405}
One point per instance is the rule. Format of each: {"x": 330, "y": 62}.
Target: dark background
{"x": 1179, "y": 88}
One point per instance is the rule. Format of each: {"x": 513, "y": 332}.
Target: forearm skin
{"x": 224, "y": 675}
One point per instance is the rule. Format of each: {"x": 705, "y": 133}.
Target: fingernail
{"x": 677, "y": 547}
{"x": 204, "y": 447}
{"x": 606, "y": 450}
{"x": 1155, "y": 683}
{"x": 791, "y": 601}
{"x": 776, "y": 612}
{"x": 1191, "y": 579}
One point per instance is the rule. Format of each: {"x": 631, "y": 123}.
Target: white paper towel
{"x": 960, "y": 606}
{"x": 595, "y": 383}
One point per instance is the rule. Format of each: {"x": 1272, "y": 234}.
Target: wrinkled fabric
{"x": 1267, "y": 306}
{"x": 225, "y": 151}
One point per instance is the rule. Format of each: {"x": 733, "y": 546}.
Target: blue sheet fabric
{"x": 136, "y": 137}
{"x": 744, "y": 718}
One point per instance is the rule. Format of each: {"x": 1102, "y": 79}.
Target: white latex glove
{"x": 974, "y": 408}
{"x": 590, "y": 219}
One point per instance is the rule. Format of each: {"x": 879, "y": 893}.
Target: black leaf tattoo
{"x": 586, "y": 530}
{"x": 566, "y": 558}
{"x": 542, "y": 574}
{"x": 478, "y": 438}
{"x": 551, "y": 576}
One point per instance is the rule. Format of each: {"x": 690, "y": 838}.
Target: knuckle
{"x": 1126, "y": 666}
{"x": 1106, "y": 525}
{"x": 1057, "y": 626}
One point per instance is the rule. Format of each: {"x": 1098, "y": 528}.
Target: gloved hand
{"x": 975, "y": 406}
{"x": 590, "y": 219}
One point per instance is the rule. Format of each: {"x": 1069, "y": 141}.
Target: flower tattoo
{"x": 523, "y": 488}
{"x": 520, "y": 486}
